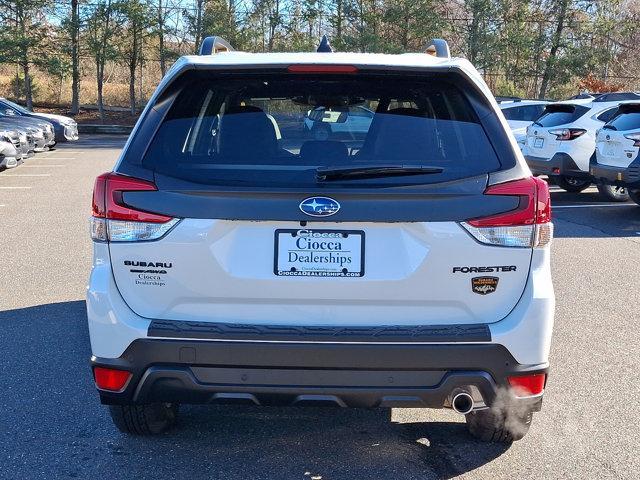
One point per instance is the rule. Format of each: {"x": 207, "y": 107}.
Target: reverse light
{"x": 113, "y": 220}
{"x": 564, "y": 134}
{"x": 635, "y": 137}
{"x": 111, "y": 379}
{"x": 529, "y": 225}
{"x": 528, "y": 385}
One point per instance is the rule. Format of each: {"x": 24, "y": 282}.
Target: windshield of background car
{"x": 277, "y": 129}
{"x": 560, "y": 115}
{"x": 626, "y": 121}
{"x": 523, "y": 113}
{"x": 15, "y": 106}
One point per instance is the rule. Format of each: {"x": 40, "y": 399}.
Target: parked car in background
{"x": 560, "y": 143}
{"x": 352, "y": 121}
{"x": 615, "y": 164}
{"x": 41, "y": 130}
{"x": 10, "y": 152}
{"x": 520, "y": 114}
{"x": 66, "y": 128}
{"x": 26, "y": 144}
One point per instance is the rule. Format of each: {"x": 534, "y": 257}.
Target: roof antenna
{"x": 324, "y": 46}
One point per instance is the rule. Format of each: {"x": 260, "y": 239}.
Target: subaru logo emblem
{"x": 608, "y": 137}
{"x": 319, "y": 206}
{"x": 535, "y": 132}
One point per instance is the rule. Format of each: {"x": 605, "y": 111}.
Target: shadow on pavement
{"x": 53, "y": 424}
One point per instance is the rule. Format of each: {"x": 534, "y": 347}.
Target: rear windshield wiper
{"x": 536, "y": 123}
{"x": 609, "y": 127}
{"x": 324, "y": 174}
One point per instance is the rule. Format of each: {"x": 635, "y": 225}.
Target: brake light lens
{"x": 635, "y": 137}
{"x": 111, "y": 379}
{"x": 322, "y": 69}
{"x": 113, "y": 220}
{"x": 567, "y": 133}
{"x": 528, "y": 385}
{"x": 528, "y": 225}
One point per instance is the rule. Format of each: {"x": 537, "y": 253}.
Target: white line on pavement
{"x": 43, "y": 166}
{"x": 596, "y": 205}
{"x": 51, "y": 158}
{"x": 15, "y": 188}
{"x": 26, "y": 175}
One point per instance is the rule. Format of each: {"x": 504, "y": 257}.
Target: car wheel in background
{"x": 634, "y": 195}
{"x": 149, "y": 419}
{"x": 572, "y": 184}
{"x": 499, "y": 425}
{"x": 613, "y": 193}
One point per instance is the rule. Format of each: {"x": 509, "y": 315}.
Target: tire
{"x": 634, "y": 195}
{"x": 150, "y": 419}
{"x": 613, "y": 193}
{"x": 320, "y": 132}
{"x": 497, "y": 426}
{"x": 572, "y": 184}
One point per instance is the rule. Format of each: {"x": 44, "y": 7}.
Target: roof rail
{"x": 324, "y": 46}
{"x": 211, "y": 45}
{"x": 438, "y": 48}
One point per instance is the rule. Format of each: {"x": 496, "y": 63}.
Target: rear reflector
{"x": 322, "y": 69}
{"x": 528, "y": 225}
{"x": 113, "y": 220}
{"x": 111, "y": 379}
{"x": 528, "y": 385}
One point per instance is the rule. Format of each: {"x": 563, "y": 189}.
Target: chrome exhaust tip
{"x": 462, "y": 403}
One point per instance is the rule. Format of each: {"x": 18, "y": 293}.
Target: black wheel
{"x": 498, "y": 426}
{"x": 149, "y": 419}
{"x": 613, "y": 193}
{"x": 634, "y": 195}
{"x": 320, "y": 131}
{"x": 572, "y": 184}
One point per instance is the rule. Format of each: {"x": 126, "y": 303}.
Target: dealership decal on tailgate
{"x": 308, "y": 252}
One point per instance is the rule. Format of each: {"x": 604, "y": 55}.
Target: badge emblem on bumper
{"x": 484, "y": 285}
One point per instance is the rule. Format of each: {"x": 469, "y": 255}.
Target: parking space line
{"x": 595, "y": 205}
{"x": 16, "y": 188}
{"x": 26, "y": 175}
{"x": 53, "y": 158}
{"x": 43, "y": 166}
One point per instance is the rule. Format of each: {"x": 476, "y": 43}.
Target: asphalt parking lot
{"x": 52, "y": 426}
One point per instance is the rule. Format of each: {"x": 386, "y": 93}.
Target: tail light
{"x": 635, "y": 137}
{"x": 567, "y": 133}
{"x": 528, "y": 385}
{"x": 112, "y": 220}
{"x": 529, "y": 225}
{"x": 111, "y": 379}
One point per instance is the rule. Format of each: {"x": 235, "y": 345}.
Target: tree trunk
{"x": 133, "y": 63}
{"x": 99, "y": 81}
{"x": 555, "y": 46}
{"x": 163, "y": 66}
{"x": 75, "y": 60}
{"x": 27, "y": 84}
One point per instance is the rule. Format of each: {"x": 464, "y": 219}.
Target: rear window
{"x": 560, "y": 115}
{"x": 523, "y": 113}
{"x": 625, "y": 121}
{"x": 277, "y": 129}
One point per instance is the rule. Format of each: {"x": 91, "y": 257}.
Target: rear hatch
{"x": 352, "y": 230}
{"x": 617, "y": 143}
{"x": 541, "y": 143}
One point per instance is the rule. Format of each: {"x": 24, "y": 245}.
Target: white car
{"x": 616, "y": 163}
{"x": 353, "y": 121}
{"x": 9, "y": 156}
{"x": 560, "y": 143}
{"x": 520, "y": 114}
{"x": 409, "y": 268}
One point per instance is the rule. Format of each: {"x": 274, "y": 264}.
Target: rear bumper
{"x": 294, "y": 373}
{"x": 559, "y": 164}
{"x": 621, "y": 176}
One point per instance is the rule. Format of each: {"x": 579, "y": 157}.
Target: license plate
{"x": 538, "y": 142}
{"x": 307, "y": 252}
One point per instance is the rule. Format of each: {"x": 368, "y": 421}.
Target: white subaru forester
{"x": 404, "y": 267}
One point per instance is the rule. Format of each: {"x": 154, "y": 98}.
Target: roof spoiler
{"x": 211, "y": 45}
{"x": 438, "y": 48}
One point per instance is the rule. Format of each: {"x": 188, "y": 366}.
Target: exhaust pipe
{"x": 462, "y": 403}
